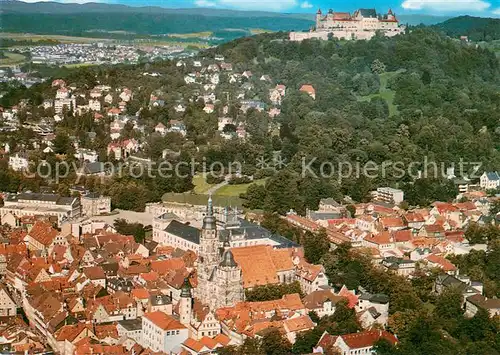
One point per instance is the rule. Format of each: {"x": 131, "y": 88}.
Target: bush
{"x": 214, "y": 180}
{"x": 264, "y": 173}
{"x": 248, "y": 169}
{"x": 239, "y": 180}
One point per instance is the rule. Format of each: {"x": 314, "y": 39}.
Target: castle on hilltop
{"x": 362, "y": 24}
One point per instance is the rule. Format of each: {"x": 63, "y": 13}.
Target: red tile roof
{"x": 308, "y": 89}
{"x": 391, "y": 222}
{"x": 442, "y": 262}
{"x": 298, "y": 324}
{"x": 351, "y": 297}
{"x": 140, "y": 293}
{"x": 455, "y": 236}
{"x": 163, "y": 321}
{"x": 367, "y": 338}
{"x": 163, "y": 266}
{"x": 404, "y": 235}
{"x": 381, "y": 238}
{"x": 434, "y": 228}
{"x": 414, "y": 217}
{"x": 43, "y": 232}
{"x": 94, "y": 273}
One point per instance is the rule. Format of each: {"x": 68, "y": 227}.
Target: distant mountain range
{"x": 78, "y": 19}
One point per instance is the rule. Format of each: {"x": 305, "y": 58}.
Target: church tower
{"x": 185, "y": 303}
{"x": 209, "y": 243}
{"x": 229, "y": 280}
{"x": 208, "y": 256}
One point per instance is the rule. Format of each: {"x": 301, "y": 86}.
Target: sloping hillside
{"x": 476, "y": 28}
{"x": 74, "y": 19}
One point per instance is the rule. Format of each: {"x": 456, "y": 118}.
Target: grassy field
{"x": 12, "y": 59}
{"x": 78, "y": 65}
{"x": 200, "y": 184}
{"x": 236, "y": 190}
{"x": 256, "y": 31}
{"x": 191, "y": 35}
{"x": 62, "y": 39}
{"x": 148, "y": 43}
{"x": 139, "y": 42}
{"x": 384, "y": 92}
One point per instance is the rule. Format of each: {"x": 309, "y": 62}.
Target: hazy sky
{"x": 436, "y": 7}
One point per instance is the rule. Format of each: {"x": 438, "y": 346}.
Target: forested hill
{"x": 79, "y": 19}
{"x": 476, "y": 28}
{"x": 141, "y": 23}
{"x": 394, "y": 99}
{"x": 405, "y": 99}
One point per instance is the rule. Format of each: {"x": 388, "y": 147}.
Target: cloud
{"x": 446, "y": 5}
{"x": 274, "y": 5}
{"x": 306, "y": 5}
{"x": 205, "y": 3}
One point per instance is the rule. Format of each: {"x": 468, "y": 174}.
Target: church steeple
{"x": 186, "y": 288}
{"x": 185, "y": 303}
{"x": 209, "y": 222}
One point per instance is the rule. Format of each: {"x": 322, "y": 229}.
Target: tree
{"x": 254, "y": 197}
{"x": 352, "y": 210}
{"x": 273, "y": 343}
{"x": 378, "y": 67}
{"x": 426, "y": 77}
{"x": 134, "y": 229}
{"x": 384, "y": 347}
{"x": 315, "y": 246}
{"x": 272, "y": 292}
{"x": 449, "y": 308}
{"x": 344, "y": 319}
{"x": 251, "y": 346}
{"x": 229, "y": 128}
{"x": 62, "y": 143}
{"x": 495, "y": 207}
{"x": 305, "y": 341}
{"x": 282, "y": 193}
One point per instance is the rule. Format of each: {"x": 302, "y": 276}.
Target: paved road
{"x": 213, "y": 189}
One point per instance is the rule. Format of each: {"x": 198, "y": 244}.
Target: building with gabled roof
{"x": 247, "y": 319}
{"x": 68, "y": 335}
{"x": 41, "y": 236}
{"x": 323, "y": 302}
{"x": 354, "y": 343}
{"x": 489, "y": 180}
{"x": 477, "y": 301}
{"x": 434, "y": 260}
{"x": 161, "y": 332}
{"x": 295, "y": 325}
{"x": 8, "y": 306}
{"x": 401, "y": 266}
{"x": 206, "y": 345}
{"x": 308, "y": 89}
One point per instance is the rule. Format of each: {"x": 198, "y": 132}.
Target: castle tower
{"x": 390, "y": 15}
{"x": 185, "y": 303}
{"x": 319, "y": 15}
